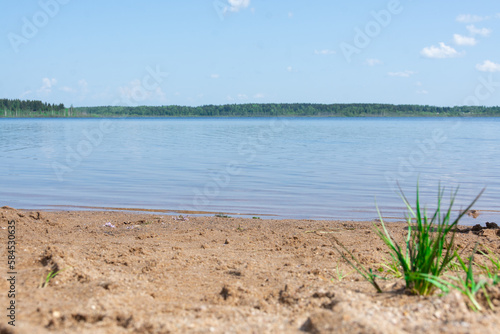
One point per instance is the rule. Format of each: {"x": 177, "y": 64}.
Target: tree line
{"x": 31, "y": 108}
{"x": 290, "y": 109}
{"x": 19, "y": 108}
{"x": 24, "y": 105}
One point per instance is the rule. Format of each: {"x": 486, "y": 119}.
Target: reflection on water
{"x": 290, "y": 167}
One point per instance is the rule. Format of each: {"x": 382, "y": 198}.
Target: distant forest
{"x": 291, "y": 109}
{"x": 19, "y": 108}
{"x": 27, "y": 108}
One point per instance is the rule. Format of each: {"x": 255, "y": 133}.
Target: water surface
{"x": 318, "y": 168}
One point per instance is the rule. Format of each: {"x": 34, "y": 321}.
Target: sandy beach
{"x": 122, "y": 272}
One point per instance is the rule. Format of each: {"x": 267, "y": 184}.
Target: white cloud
{"x": 160, "y": 94}
{"x": 403, "y": 74}
{"x": 324, "y": 52}
{"x": 478, "y": 31}
{"x": 289, "y": 69}
{"x": 47, "y": 85}
{"x": 23, "y": 94}
{"x": 242, "y": 96}
{"x": 290, "y": 14}
{"x": 468, "y": 18}
{"x": 135, "y": 92}
{"x": 443, "y": 51}
{"x": 464, "y": 40}
{"x": 67, "y": 89}
{"x": 259, "y": 96}
{"x": 237, "y": 5}
{"x": 83, "y": 83}
{"x": 82, "y": 88}
{"x": 423, "y": 91}
{"x": 418, "y": 83}
{"x": 372, "y": 62}
{"x": 488, "y": 66}
{"x": 106, "y": 93}
{"x": 215, "y": 76}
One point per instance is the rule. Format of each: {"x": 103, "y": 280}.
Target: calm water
{"x": 289, "y": 167}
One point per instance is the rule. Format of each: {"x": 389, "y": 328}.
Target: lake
{"x": 307, "y": 168}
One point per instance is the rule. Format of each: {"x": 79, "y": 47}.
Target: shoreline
{"x": 123, "y": 272}
{"x": 480, "y": 216}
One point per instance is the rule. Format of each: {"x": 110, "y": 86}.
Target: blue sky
{"x": 90, "y": 53}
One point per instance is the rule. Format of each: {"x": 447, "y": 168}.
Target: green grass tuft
{"x": 44, "y": 282}
{"x": 493, "y": 272}
{"x": 429, "y": 247}
{"x": 428, "y": 251}
{"x": 470, "y": 286}
{"x": 390, "y": 268}
{"x": 367, "y": 274}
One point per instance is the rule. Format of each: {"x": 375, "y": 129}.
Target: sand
{"x": 122, "y": 272}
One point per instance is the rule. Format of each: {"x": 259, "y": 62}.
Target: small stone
{"x": 477, "y": 227}
{"x": 473, "y": 213}
{"x": 492, "y": 225}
